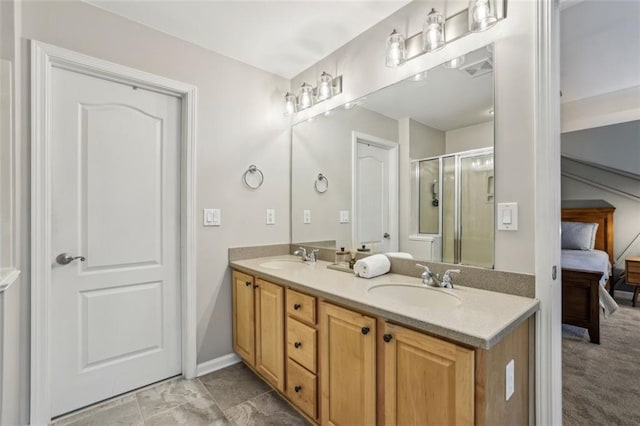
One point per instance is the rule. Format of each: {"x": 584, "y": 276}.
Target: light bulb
{"x": 305, "y": 97}
{"x": 482, "y": 15}
{"x": 325, "y": 87}
{"x": 395, "y": 50}
{"x": 433, "y": 32}
{"x": 290, "y": 104}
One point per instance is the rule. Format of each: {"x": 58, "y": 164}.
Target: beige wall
{"x": 231, "y": 134}
{"x": 324, "y": 145}
{"x": 361, "y": 64}
{"x": 425, "y": 141}
{"x": 470, "y": 137}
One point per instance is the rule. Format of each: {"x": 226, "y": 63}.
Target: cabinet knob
{"x": 297, "y": 306}
{"x": 247, "y": 283}
{"x": 297, "y": 389}
{"x": 297, "y": 344}
{"x": 387, "y": 337}
{"x": 255, "y": 286}
{"x": 365, "y": 330}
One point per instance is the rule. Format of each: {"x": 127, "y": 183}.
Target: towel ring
{"x": 257, "y": 181}
{"x": 321, "y": 184}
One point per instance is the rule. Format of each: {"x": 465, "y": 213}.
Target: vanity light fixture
{"x": 305, "y": 96}
{"x": 455, "y": 62}
{"x": 433, "y": 32}
{"x": 395, "y": 52}
{"x": 482, "y": 15}
{"x": 438, "y": 31}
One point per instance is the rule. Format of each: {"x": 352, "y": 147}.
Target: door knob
{"x": 386, "y": 235}
{"x": 66, "y": 258}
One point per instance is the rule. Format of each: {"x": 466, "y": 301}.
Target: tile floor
{"x": 231, "y": 396}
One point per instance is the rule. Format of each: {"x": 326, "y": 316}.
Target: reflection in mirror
{"x": 411, "y": 168}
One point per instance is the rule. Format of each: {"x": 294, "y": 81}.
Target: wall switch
{"x": 508, "y": 216}
{"x": 509, "y": 380}
{"x": 271, "y": 217}
{"x": 344, "y": 216}
{"x": 211, "y": 217}
{"x": 306, "y": 216}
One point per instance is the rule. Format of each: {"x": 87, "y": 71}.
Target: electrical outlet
{"x": 271, "y": 217}
{"x": 344, "y": 216}
{"x": 211, "y": 217}
{"x": 306, "y": 216}
{"x": 509, "y": 380}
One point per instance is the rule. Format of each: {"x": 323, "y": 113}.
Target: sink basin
{"x": 284, "y": 264}
{"x": 416, "y": 295}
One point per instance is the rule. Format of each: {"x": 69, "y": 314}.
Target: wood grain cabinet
{"x": 347, "y": 367}
{"x": 427, "y": 381}
{"x": 258, "y": 326}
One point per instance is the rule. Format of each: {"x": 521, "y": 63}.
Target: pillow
{"x": 579, "y": 235}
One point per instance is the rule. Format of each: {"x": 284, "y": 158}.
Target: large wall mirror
{"x": 406, "y": 169}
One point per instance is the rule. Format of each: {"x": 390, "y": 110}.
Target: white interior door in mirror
{"x": 115, "y": 317}
{"x": 375, "y": 194}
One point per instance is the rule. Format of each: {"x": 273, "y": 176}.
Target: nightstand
{"x": 633, "y": 276}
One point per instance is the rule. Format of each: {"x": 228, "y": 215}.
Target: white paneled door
{"x": 115, "y": 185}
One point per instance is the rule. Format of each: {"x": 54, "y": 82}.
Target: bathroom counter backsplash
{"x": 481, "y": 320}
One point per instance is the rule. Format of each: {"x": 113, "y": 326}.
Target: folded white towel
{"x": 372, "y": 266}
{"x": 400, "y": 255}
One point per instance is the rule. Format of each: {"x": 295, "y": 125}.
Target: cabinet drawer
{"x": 301, "y": 344}
{"x": 301, "y": 306}
{"x": 301, "y": 388}
{"x": 633, "y": 277}
{"x": 633, "y": 267}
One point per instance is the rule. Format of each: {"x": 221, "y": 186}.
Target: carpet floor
{"x": 601, "y": 383}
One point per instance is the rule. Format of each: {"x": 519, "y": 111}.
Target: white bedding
{"x": 592, "y": 260}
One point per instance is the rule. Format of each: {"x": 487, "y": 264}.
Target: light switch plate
{"x": 211, "y": 217}
{"x": 306, "y": 216}
{"x": 509, "y": 380}
{"x": 508, "y": 216}
{"x": 344, "y": 216}
{"x": 271, "y": 217}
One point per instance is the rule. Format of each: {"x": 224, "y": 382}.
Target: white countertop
{"x": 481, "y": 320}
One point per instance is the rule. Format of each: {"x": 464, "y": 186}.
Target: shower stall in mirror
{"x": 455, "y": 205}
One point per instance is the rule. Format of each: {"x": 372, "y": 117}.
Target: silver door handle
{"x": 66, "y": 258}
{"x": 386, "y": 235}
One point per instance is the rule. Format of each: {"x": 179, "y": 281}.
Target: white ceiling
{"x": 600, "y": 48}
{"x": 282, "y": 37}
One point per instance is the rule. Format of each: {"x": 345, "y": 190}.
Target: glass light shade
{"x": 455, "y": 62}
{"x": 325, "y": 87}
{"x": 290, "y": 104}
{"x": 395, "y": 53}
{"x": 433, "y": 32}
{"x": 482, "y": 15}
{"x": 305, "y": 97}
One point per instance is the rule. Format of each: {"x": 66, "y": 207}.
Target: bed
{"x": 585, "y": 275}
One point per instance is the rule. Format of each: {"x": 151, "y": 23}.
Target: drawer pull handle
{"x": 297, "y": 306}
{"x": 247, "y": 283}
{"x": 297, "y": 344}
{"x": 387, "y": 337}
{"x": 365, "y": 330}
{"x": 297, "y": 389}
{"x": 255, "y": 286}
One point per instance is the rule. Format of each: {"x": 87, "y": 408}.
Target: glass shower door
{"x": 476, "y": 210}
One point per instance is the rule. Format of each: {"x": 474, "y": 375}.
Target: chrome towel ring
{"x": 253, "y": 177}
{"x": 321, "y": 184}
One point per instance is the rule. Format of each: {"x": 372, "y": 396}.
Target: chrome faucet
{"x": 302, "y": 252}
{"x": 429, "y": 278}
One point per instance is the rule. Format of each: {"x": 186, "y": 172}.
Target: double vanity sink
{"x": 345, "y": 350}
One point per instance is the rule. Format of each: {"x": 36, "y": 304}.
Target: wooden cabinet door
{"x": 347, "y": 367}
{"x": 243, "y": 317}
{"x": 270, "y": 332}
{"x": 427, "y": 381}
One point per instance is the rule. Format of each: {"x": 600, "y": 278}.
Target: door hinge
{"x": 554, "y": 272}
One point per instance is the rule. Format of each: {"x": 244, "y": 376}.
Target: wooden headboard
{"x": 598, "y": 211}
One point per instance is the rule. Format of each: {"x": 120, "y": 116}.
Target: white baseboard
{"x": 217, "y": 364}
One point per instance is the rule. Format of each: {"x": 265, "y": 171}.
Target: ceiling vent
{"x": 476, "y": 69}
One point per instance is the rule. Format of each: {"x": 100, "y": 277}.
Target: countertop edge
{"x": 446, "y": 333}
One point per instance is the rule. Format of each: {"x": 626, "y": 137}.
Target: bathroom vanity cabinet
{"x": 344, "y": 366}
